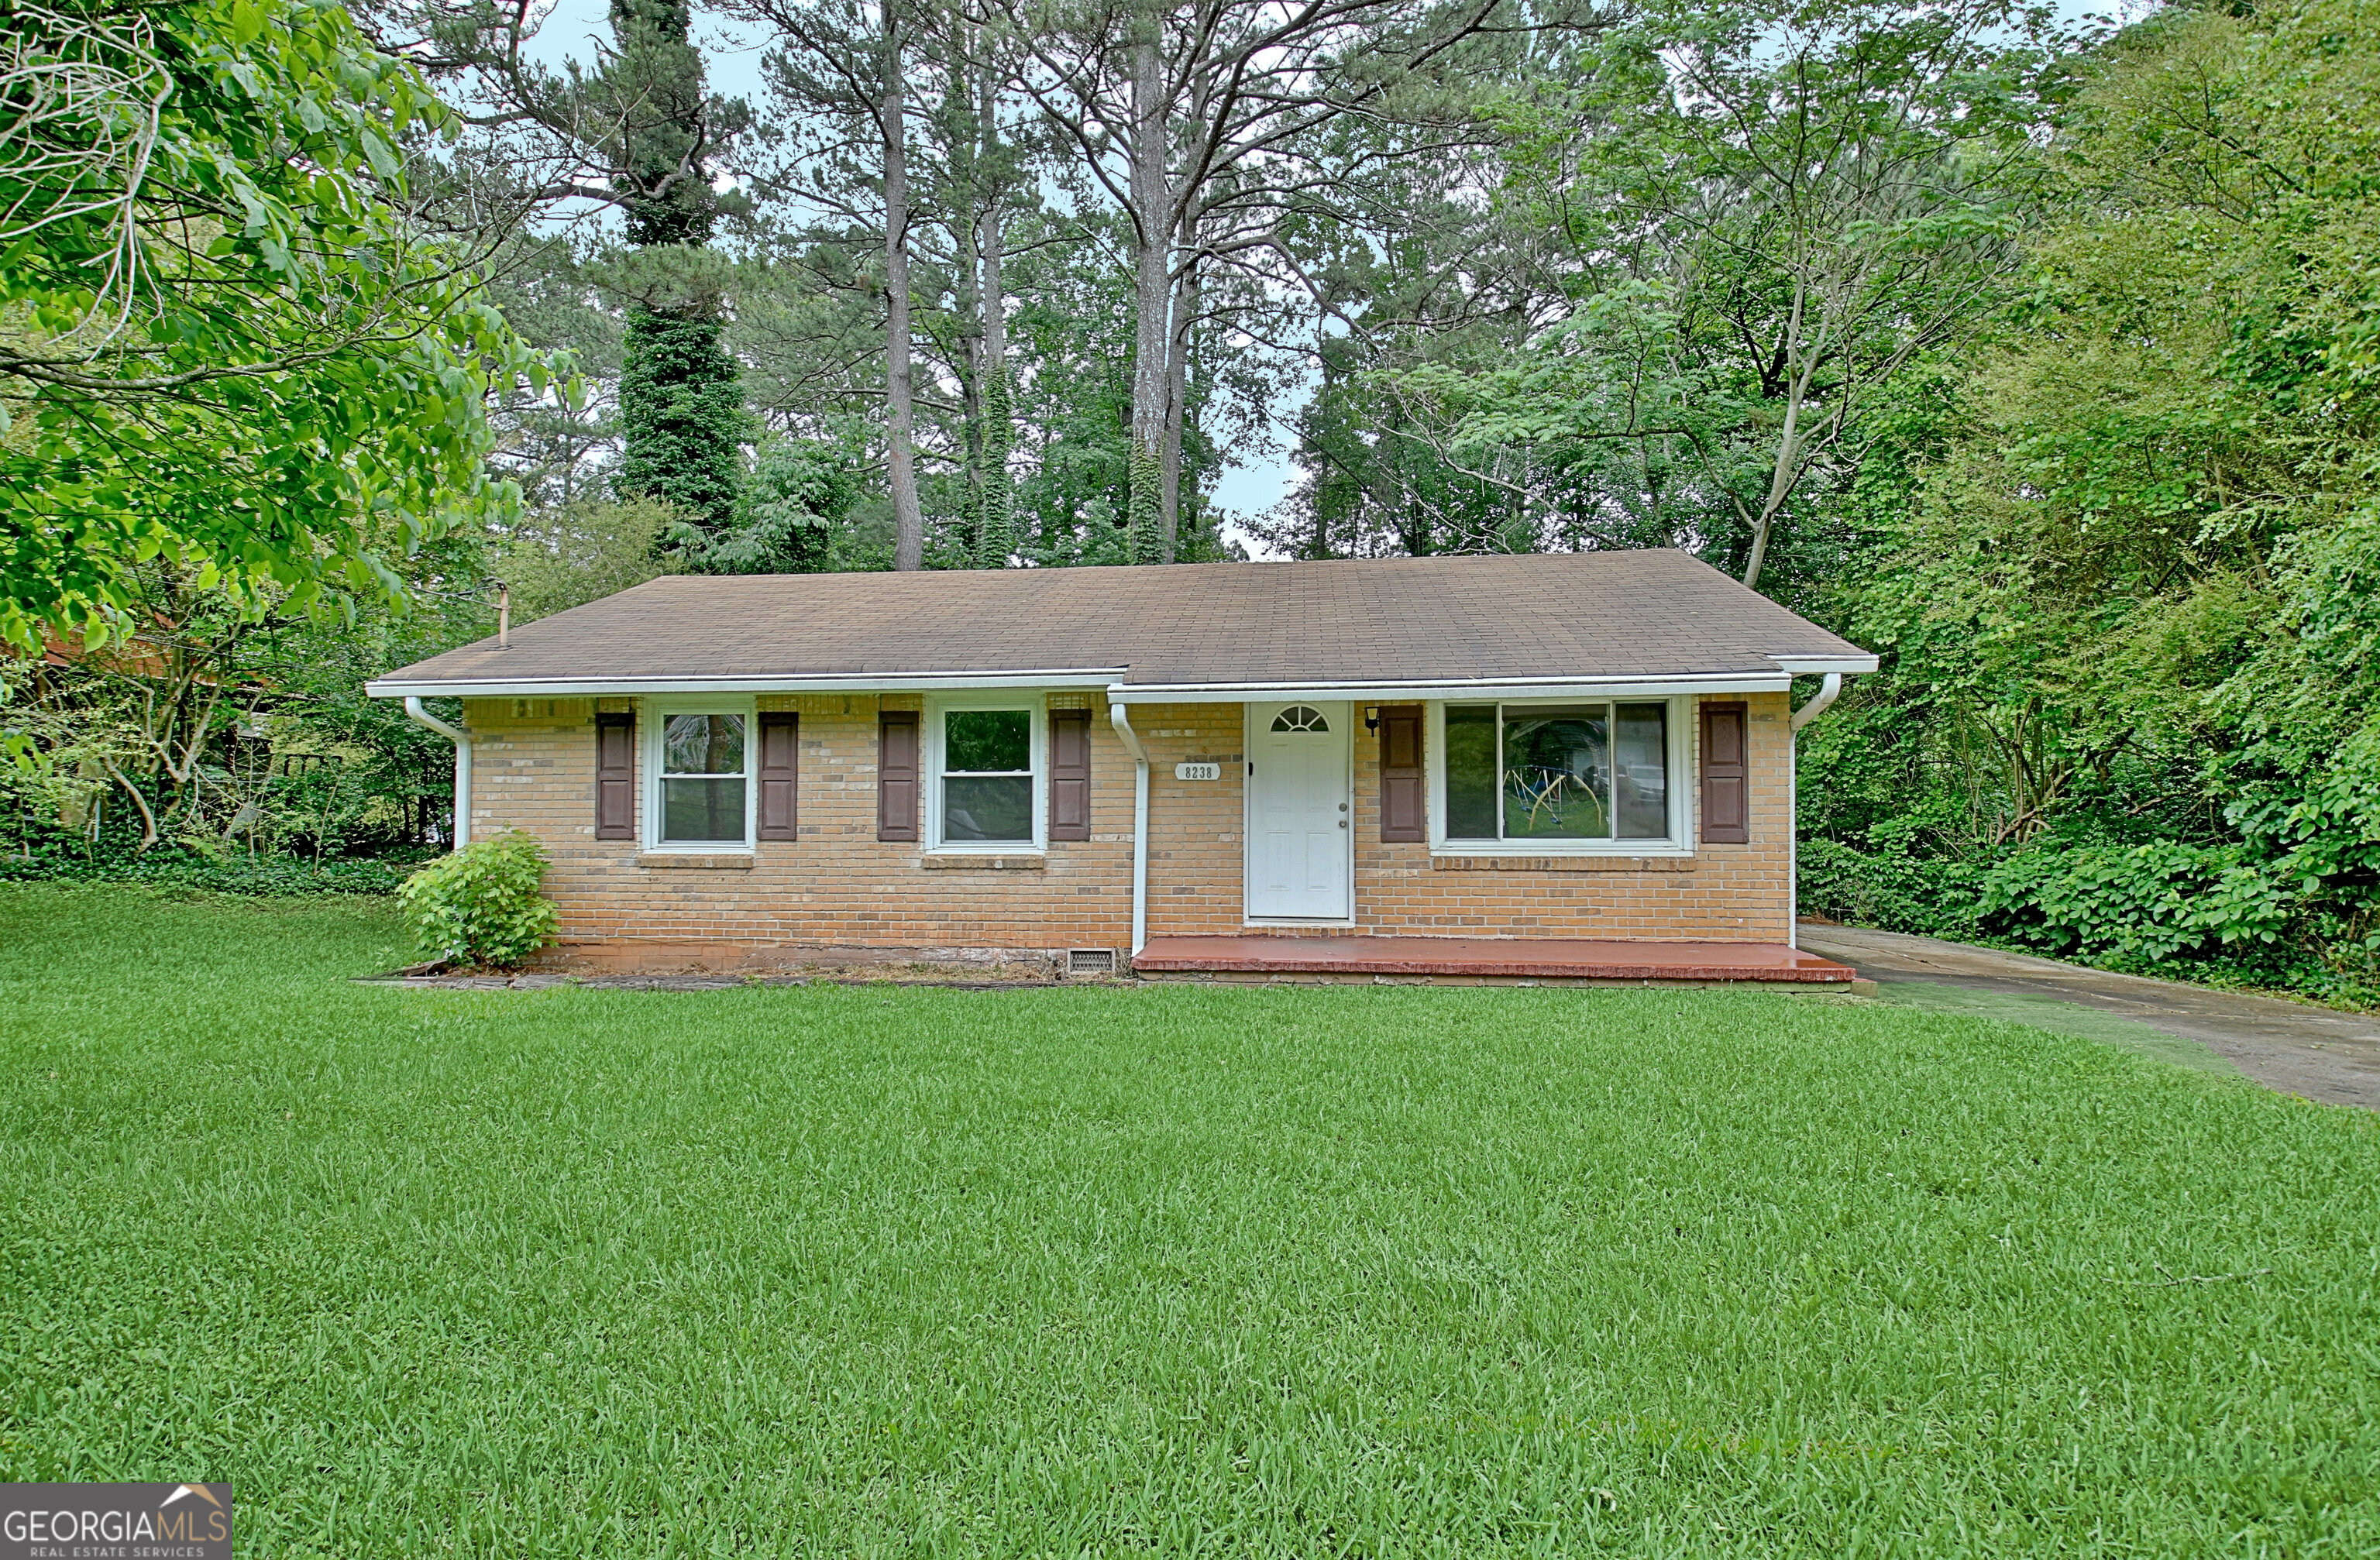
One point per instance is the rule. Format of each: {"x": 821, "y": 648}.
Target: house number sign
{"x": 1197, "y": 772}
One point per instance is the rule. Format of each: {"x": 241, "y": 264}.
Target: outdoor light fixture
{"x": 1371, "y": 717}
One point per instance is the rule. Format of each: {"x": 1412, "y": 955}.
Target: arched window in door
{"x": 1300, "y": 718}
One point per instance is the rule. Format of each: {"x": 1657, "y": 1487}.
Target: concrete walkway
{"x": 2292, "y": 1046}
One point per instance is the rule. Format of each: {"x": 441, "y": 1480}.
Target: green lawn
{"x": 1237, "y": 1271}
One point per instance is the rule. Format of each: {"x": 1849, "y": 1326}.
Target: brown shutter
{"x": 1404, "y": 818}
{"x": 896, "y": 775}
{"x": 1070, "y": 774}
{"x": 1726, "y": 816}
{"x": 780, "y": 733}
{"x": 616, "y": 777}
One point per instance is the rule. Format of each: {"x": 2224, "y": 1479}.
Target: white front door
{"x": 1300, "y": 823}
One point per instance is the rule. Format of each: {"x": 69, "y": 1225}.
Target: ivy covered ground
{"x": 1077, "y": 1271}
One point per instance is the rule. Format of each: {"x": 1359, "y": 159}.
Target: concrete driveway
{"x": 2296, "y": 1048}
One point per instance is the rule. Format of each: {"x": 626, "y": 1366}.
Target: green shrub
{"x": 35, "y": 849}
{"x": 2150, "y": 902}
{"x": 1933, "y": 896}
{"x": 170, "y": 866}
{"x": 482, "y": 906}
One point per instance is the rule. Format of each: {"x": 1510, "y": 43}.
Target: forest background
{"x": 2039, "y": 355}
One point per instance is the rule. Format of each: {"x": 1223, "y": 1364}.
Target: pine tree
{"x": 682, "y": 417}
{"x": 681, "y": 400}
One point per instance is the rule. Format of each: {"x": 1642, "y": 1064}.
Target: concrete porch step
{"x": 1562, "y": 959}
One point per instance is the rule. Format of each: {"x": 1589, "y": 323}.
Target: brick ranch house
{"x": 1574, "y": 766}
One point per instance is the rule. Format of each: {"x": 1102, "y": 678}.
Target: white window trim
{"x": 1035, "y": 703}
{"x": 1680, "y": 842}
{"x": 652, "y": 716}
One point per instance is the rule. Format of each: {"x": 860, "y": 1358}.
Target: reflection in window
{"x": 988, "y": 777}
{"x": 1586, "y": 771}
{"x": 702, "y": 779}
{"x": 1471, "y": 769}
{"x": 1640, "y": 770}
{"x": 1557, "y": 774}
{"x": 1300, "y": 718}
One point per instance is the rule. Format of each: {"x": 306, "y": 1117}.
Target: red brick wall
{"x": 534, "y": 768}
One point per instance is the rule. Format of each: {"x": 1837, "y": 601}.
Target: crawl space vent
{"x": 1090, "y": 961}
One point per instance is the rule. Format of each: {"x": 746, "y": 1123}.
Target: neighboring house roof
{"x": 1371, "y": 626}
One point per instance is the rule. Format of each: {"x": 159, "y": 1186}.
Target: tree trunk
{"x": 1177, "y": 392}
{"x": 1804, "y": 361}
{"x": 996, "y": 537}
{"x": 900, "y": 460}
{"x": 967, "y": 311}
{"x": 148, "y": 818}
{"x": 1152, "y": 303}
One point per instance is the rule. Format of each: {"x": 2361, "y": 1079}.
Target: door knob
{"x": 1343, "y": 823}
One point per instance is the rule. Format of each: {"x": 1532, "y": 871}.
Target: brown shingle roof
{"x": 1386, "y": 620}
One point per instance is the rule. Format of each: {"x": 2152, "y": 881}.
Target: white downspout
{"x": 462, "y": 766}
{"x": 1829, "y": 691}
{"x": 1119, "y": 717}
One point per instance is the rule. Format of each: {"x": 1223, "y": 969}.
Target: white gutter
{"x": 1121, "y": 719}
{"x": 1452, "y": 687}
{"x": 1829, "y": 691}
{"x": 812, "y": 682}
{"x": 462, "y": 766}
{"x": 1658, "y": 685}
{"x": 1817, "y": 666}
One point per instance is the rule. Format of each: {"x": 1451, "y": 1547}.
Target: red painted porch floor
{"x": 1489, "y": 958}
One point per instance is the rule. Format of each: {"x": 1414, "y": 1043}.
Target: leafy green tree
{"x": 227, "y": 344}
{"x": 683, "y": 424}
{"x": 842, "y": 78}
{"x": 681, "y": 407}
{"x": 639, "y": 134}
{"x": 1844, "y": 179}
{"x": 211, "y": 726}
{"x": 558, "y": 449}
{"x": 795, "y": 518}
{"x": 2126, "y": 596}
{"x": 1761, "y": 215}
{"x": 566, "y": 555}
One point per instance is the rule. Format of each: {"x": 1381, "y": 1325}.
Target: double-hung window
{"x": 704, "y": 779}
{"x": 987, "y": 791}
{"x": 1563, "y": 777}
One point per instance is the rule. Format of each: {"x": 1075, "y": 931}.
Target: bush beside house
{"x": 482, "y": 906}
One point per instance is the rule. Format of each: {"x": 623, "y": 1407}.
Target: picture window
{"x": 1558, "y": 772}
